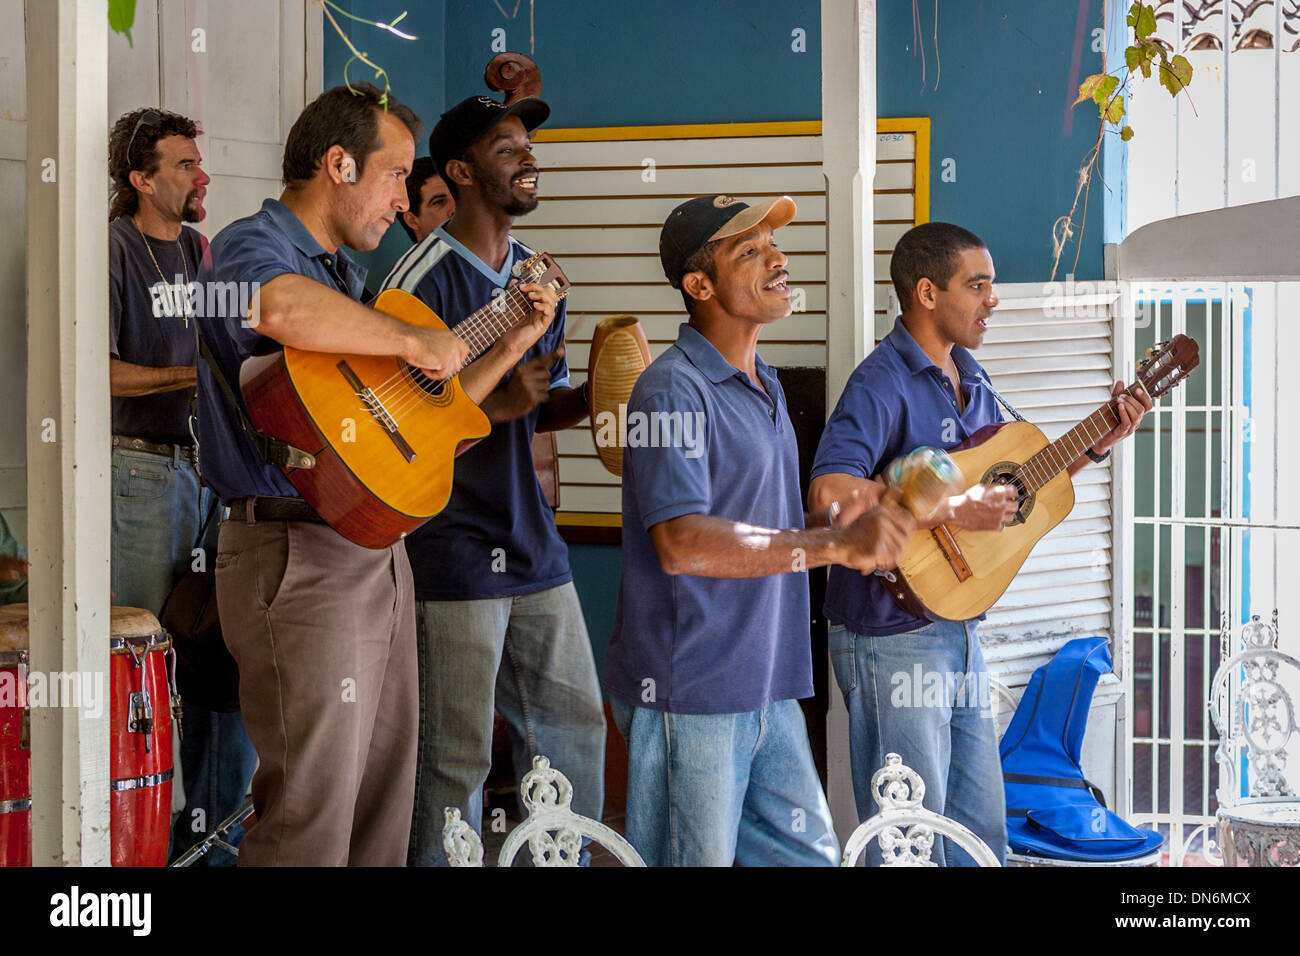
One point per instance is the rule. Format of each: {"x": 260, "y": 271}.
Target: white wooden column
{"x": 849, "y": 164}
{"x": 68, "y": 420}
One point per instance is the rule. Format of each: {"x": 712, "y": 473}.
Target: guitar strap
{"x": 272, "y": 450}
{"x": 1005, "y": 404}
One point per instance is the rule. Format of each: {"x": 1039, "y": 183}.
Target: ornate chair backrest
{"x": 552, "y": 832}
{"x": 906, "y": 830}
{"x": 1254, "y": 714}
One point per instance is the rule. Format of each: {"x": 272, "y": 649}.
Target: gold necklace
{"x": 185, "y": 299}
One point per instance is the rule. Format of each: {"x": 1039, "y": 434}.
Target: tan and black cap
{"x": 699, "y": 221}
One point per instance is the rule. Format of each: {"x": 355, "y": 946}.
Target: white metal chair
{"x": 552, "y": 831}
{"x": 1255, "y": 717}
{"x": 898, "y": 791}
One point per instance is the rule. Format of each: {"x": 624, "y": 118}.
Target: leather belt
{"x": 153, "y": 447}
{"x": 260, "y": 508}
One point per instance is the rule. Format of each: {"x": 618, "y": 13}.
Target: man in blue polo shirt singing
{"x": 711, "y": 650}
{"x": 498, "y": 615}
{"x": 323, "y": 630}
{"x": 921, "y": 387}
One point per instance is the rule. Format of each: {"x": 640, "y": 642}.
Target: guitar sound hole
{"x": 1004, "y": 473}
{"x": 434, "y": 388}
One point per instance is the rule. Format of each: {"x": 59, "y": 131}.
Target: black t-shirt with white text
{"x": 147, "y": 324}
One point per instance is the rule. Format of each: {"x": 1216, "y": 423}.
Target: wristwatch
{"x": 1096, "y": 457}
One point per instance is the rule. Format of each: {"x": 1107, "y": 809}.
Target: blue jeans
{"x": 532, "y": 657}
{"x": 923, "y": 695}
{"x": 158, "y": 508}
{"x": 713, "y": 789}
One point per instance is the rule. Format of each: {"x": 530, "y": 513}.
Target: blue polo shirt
{"x": 698, "y": 645}
{"x": 251, "y": 252}
{"x": 497, "y": 537}
{"x": 896, "y": 401}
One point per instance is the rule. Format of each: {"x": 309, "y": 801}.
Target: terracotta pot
{"x": 619, "y": 354}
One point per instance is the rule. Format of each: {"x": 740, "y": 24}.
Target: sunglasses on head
{"x": 147, "y": 118}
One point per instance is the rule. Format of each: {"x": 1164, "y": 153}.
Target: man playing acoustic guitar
{"x": 920, "y": 387}
{"x": 323, "y": 630}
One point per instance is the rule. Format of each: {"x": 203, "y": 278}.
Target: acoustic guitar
{"x": 957, "y": 574}
{"x": 383, "y": 435}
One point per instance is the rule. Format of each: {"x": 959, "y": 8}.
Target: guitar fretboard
{"x": 1058, "y": 456}
{"x": 481, "y": 329}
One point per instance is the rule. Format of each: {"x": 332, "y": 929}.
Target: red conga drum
{"x": 140, "y": 738}
{"x": 15, "y": 746}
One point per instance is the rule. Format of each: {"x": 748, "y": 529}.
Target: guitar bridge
{"x": 952, "y": 551}
{"x": 377, "y": 411}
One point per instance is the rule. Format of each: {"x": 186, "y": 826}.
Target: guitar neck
{"x": 1059, "y": 455}
{"x": 480, "y": 330}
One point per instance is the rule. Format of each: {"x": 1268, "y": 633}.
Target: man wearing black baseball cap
{"x": 498, "y": 617}
{"x": 711, "y": 650}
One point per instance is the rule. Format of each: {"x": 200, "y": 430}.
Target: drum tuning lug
{"x": 141, "y": 710}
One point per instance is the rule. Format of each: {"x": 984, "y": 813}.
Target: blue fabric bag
{"x": 1052, "y": 809}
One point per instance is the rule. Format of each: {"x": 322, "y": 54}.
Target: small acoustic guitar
{"x": 957, "y": 574}
{"x": 384, "y": 435}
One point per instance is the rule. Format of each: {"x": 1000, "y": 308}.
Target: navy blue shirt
{"x": 148, "y": 301}
{"x": 251, "y": 252}
{"x": 496, "y": 537}
{"x": 896, "y": 401}
{"x": 698, "y": 645}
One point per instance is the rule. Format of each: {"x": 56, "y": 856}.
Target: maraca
{"x": 925, "y": 478}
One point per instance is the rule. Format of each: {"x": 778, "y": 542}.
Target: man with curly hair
{"x": 159, "y": 504}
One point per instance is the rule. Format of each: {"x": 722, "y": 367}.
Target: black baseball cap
{"x": 699, "y": 221}
{"x": 464, "y": 123}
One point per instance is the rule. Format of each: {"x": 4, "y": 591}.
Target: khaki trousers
{"x": 323, "y": 631}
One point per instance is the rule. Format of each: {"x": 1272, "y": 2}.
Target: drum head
{"x": 134, "y": 622}
{"x": 13, "y": 627}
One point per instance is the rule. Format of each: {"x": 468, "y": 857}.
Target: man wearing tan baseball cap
{"x": 710, "y": 651}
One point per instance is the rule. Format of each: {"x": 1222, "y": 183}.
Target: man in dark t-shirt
{"x": 498, "y": 617}
{"x": 161, "y": 513}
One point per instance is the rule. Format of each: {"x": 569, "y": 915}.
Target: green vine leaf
{"x": 1126, "y": 133}
{"x": 121, "y": 17}
{"x": 1114, "y": 111}
{"x": 1176, "y": 74}
{"x": 1143, "y": 20}
{"x": 1098, "y": 88}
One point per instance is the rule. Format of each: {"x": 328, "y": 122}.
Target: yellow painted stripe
{"x": 693, "y": 131}
{"x": 918, "y": 125}
{"x": 589, "y": 519}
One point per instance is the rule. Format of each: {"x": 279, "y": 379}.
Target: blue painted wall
{"x": 666, "y": 62}
{"x": 415, "y": 72}
{"x": 1001, "y": 110}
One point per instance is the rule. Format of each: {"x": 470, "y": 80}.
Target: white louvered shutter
{"x": 605, "y": 201}
{"x": 1052, "y": 357}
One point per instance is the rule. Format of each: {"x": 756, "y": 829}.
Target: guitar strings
{"x": 1045, "y": 464}
{"x": 470, "y": 331}
{"x": 486, "y": 326}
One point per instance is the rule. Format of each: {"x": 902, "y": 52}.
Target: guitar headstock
{"x": 1168, "y": 363}
{"x": 541, "y": 269}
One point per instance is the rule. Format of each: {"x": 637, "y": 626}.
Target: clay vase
{"x": 619, "y": 354}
